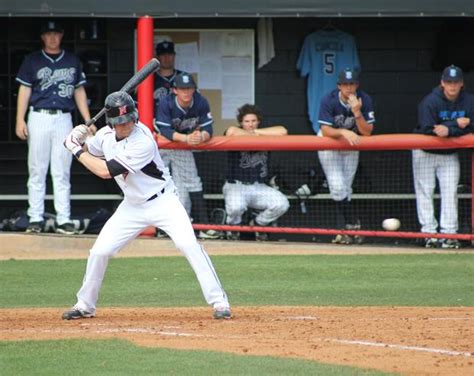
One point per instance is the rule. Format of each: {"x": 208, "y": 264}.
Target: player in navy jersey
{"x": 446, "y": 112}
{"x": 185, "y": 116}
{"x": 51, "y": 85}
{"x": 246, "y": 186}
{"x": 346, "y": 113}
{"x": 164, "y": 77}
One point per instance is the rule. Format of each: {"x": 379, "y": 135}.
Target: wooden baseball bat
{"x": 150, "y": 67}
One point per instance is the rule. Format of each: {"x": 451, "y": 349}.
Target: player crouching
{"x": 127, "y": 152}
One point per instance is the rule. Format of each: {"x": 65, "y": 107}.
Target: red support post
{"x": 145, "y": 44}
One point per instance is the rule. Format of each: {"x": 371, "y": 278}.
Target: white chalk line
{"x": 184, "y": 334}
{"x": 401, "y": 347}
{"x": 388, "y": 319}
{"x": 108, "y": 330}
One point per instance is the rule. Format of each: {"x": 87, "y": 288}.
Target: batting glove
{"x": 72, "y": 144}
{"x": 80, "y": 133}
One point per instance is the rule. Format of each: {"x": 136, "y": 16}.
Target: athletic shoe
{"x": 342, "y": 239}
{"x": 356, "y": 239}
{"x": 66, "y": 228}
{"x": 222, "y": 313}
{"x": 259, "y": 236}
{"x": 35, "y": 227}
{"x": 450, "y": 243}
{"x": 431, "y": 243}
{"x": 232, "y": 235}
{"x": 210, "y": 234}
{"x": 77, "y": 313}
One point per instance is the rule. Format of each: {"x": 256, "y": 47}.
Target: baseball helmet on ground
{"x": 120, "y": 108}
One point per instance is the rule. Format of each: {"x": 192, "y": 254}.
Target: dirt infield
{"x": 411, "y": 341}
{"x": 406, "y": 340}
{"x": 23, "y": 246}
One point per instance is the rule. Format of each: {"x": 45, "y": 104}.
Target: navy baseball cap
{"x": 165, "y": 47}
{"x": 348, "y": 75}
{"x": 183, "y": 81}
{"x": 51, "y": 25}
{"x": 452, "y": 73}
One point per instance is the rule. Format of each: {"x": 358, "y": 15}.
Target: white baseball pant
{"x": 128, "y": 221}
{"x": 340, "y": 168}
{"x": 183, "y": 168}
{"x": 46, "y": 134}
{"x": 238, "y": 197}
{"x": 427, "y": 167}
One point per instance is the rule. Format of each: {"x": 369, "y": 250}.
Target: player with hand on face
{"x": 245, "y": 186}
{"x": 346, "y": 113}
{"x": 185, "y": 116}
{"x": 446, "y": 112}
{"x": 127, "y": 152}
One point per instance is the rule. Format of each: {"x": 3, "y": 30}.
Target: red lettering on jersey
{"x": 122, "y": 110}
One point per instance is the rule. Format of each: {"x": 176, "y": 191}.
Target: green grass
{"x": 116, "y": 357}
{"x": 337, "y": 280}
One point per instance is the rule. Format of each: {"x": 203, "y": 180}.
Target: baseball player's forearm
{"x": 24, "y": 94}
{"x": 80, "y": 97}
{"x": 95, "y": 165}
{"x": 276, "y": 130}
{"x": 328, "y": 131}
{"x": 365, "y": 129}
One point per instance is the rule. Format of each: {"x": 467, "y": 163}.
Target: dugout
{"x": 402, "y": 48}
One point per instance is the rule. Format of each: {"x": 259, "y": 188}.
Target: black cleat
{"x": 77, "y": 313}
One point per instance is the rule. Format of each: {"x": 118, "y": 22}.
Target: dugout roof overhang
{"x": 236, "y": 8}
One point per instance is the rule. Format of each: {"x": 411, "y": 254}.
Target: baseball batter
{"x": 248, "y": 170}
{"x": 51, "y": 83}
{"x": 185, "y": 116}
{"x": 127, "y": 152}
{"x": 346, "y": 113}
{"x": 446, "y": 112}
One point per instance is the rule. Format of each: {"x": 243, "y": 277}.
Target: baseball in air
{"x": 391, "y": 224}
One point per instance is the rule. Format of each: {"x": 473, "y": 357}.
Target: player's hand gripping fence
{"x": 382, "y": 187}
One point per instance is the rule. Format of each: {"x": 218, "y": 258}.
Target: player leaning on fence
{"x": 345, "y": 113}
{"x": 247, "y": 173}
{"x": 445, "y": 112}
{"x": 185, "y": 116}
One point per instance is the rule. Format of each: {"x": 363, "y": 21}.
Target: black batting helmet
{"x": 120, "y": 108}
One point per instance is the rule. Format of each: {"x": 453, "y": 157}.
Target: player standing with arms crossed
{"x": 127, "y": 152}
{"x": 346, "y": 113}
{"x": 185, "y": 116}
{"x": 446, "y": 112}
{"x": 51, "y": 82}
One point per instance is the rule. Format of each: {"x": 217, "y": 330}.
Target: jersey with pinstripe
{"x": 52, "y": 81}
{"x": 323, "y": 55}
{"x": 137, "y": 154}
